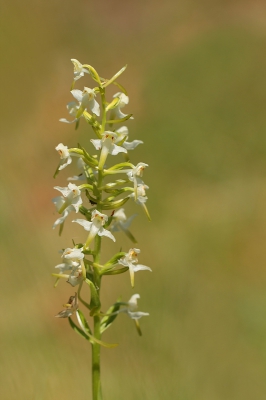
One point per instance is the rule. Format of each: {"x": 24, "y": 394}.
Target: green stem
{"x": 96, "y": 348}
{"x": 102, "y": 91}
{"x": 96, "y": 366}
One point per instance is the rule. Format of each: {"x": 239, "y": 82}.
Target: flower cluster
{"x": 100, "y": 198}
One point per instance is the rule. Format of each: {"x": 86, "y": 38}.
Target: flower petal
{"x": 86, "y": 224}
{"x": 132, "y": 145}
{"x": 66, "y": 121}
{"x": 64, "y": 190}
{"x": 105, "y": 232}
{"x": 97, "y": 143}
{"x": 63, "y": 217}
{"x": 95, "y": 107}
{"x": 140, "y": 267}
{"x": 137, "y": 314}
{"x": 117, "y": 149}
{"x": 77, "y": 94}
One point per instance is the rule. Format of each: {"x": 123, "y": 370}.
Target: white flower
{"x": 76, "y": 276}
{"x": 71, "y": 262}
{"x": 65, "y": 158}
{"x": 73, "y": 108}
{"x": 141, "y": 194}
{"x": 130, "y": 310}
{"x": 120, "y": 221}
{"x": 135, "y": 176}
{"x": 132, "y": 306}
{"x": 73, "y": 255}
{"x": 78, "y": 69}
{"x": 119, "y": 215}
{"x": 107, "y": 146}
{"x": 71, "y": 195}
{"x": 123, "y": 101}
{"x": 71, "y": 307}
{"x": 71, "y": 259}
{"x": 122, "y": 134}
{"x": 95, "y": 227}
{"x": 86, "y": 99}
{"x": 136, "y": 173}
{"x": 130, "y": 260}
{"x": 70, "y": 201}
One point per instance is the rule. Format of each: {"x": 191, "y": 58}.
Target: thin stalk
{"x": 96, "y": 365}
{"x": 96, "y": 348}
{"x": 102, "y": 91}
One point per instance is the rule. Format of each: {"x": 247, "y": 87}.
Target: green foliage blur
{"x": 197, "y": 85}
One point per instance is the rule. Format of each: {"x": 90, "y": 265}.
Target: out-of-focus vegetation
{"x": 197, "y": 85}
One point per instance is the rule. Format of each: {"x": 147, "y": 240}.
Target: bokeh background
{"x": 197, "y": 85}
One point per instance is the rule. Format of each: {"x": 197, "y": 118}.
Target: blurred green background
{"x": 197, "y": 85}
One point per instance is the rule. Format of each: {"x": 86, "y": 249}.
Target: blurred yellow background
{"x": 197, "y": 85}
